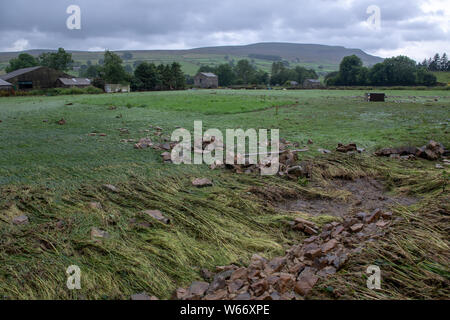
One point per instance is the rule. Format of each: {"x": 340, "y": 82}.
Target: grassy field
{"x": 51, "y": 172}
{"x": 443, "y": 77}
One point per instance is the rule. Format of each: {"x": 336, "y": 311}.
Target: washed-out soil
{"x": 365, "y": 194}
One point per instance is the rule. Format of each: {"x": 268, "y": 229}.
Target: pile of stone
{"x": 432, "y": 151}
{"x": 295, "y": 274}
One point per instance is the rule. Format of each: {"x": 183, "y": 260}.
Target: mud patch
{"x": 363, "y": 195}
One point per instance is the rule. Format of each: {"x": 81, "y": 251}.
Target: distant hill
{"x": 320, "y": 57}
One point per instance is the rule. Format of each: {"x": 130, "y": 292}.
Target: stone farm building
{"x": 206, "y": 80}
{"x": 43, "y": 78}
{"x": 5, "y": 86}
{"x": 312, "y": 84}
{"x": 34, "y": 78}
{"x": 73, "y": 82}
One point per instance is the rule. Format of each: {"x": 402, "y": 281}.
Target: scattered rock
{"x": 95, "y": 205}
{"x": 382, "y": 223}
{"x": 110, "y": 187}
{"x": 330, "y": 245}
{"x": 167, "y": 156}
{"x": 202, "y": 182}
{"x": 156, "y": 214}
{"x": 243, "y": 296}
{"x": 97, "y": 234}
{"x": 143, "y": 143}
{"x": 374, "y": 216}
{"x": 306, "y": 281}
{"x": 259, "y": 287}
{"x": 22, "y": 219}
{"x": 61, "y": 122}
{"x": 143, "y": 296}
{"x": 218, "y": 295}
{"x": 197, "y": 289}
{"x": 432, "y": 151}
{"x": 356, "y": 227}
{"x": 346, "y": 148}
{"x": 386, "y": 215}
{"x": 324, "y": 151}
{"x": 240, "y": 273}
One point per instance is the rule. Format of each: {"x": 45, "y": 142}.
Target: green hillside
{"x": 320, "y": 57}
{"x": 442, "y": 76}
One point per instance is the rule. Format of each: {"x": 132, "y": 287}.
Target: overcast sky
{"x": 416, "y": 28}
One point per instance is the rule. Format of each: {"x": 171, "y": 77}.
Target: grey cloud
{"x": 139, "y": 24}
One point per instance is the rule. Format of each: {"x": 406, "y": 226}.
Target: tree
{"x": 146, "y": 77}
{"x": 226, "y": 75}
{"x": 400, "y": 70}
{"x": 113, "y": 70}
{"x": 425, "y": 78}
{"x": 178, "y": 76}
{"x": 244, "y": 71}
{"x": 444, "y": 62}
{"x": 349, "y": 70}
{"x": 60, "y": 60}
{"x": 435, "y": 63}
{"x": 24, "y": 60}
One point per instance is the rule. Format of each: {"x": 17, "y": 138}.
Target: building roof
{"x": 313, "y": 80}
{"x": 208, "y": 74}
{"x": 18, "y": 72}
{"x": 75, "y": 81}
{"x": 3, "y": 83}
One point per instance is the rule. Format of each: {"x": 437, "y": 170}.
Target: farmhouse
{"x": 73, "y": 82}
{"x": 34, "y": 78}
{"x": 5, "y": 86}
{"x": 206, "y": 80}
{"x": 312, "y": 84}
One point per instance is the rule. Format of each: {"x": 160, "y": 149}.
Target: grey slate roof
{"x": 18, "y": 72}
{"x": 75, "y": 81}
{"x": 313, "y": 80}
{"x": 3, "y": 83}
{"x": 208, "y": 74}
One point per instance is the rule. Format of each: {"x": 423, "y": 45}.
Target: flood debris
{"x": 294, "y": 275}
{"x": 143, "y": 143}
{"x": 349, "y": 148}
{"x": 432, "y": 151}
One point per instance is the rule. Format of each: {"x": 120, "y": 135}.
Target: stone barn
{"x": 73, "y": 82}
{"x": 206, "y": 80}
{"x": 312, "y": 84}
{"x": 34, "y": 78}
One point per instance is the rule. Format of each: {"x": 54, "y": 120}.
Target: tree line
{"x": 59, "y": 60}
{"x": 245, "y": 73}
{"x": 401, "y": 71}
{"x": 146, "y": 76}
{"x": 437, "y": 63}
